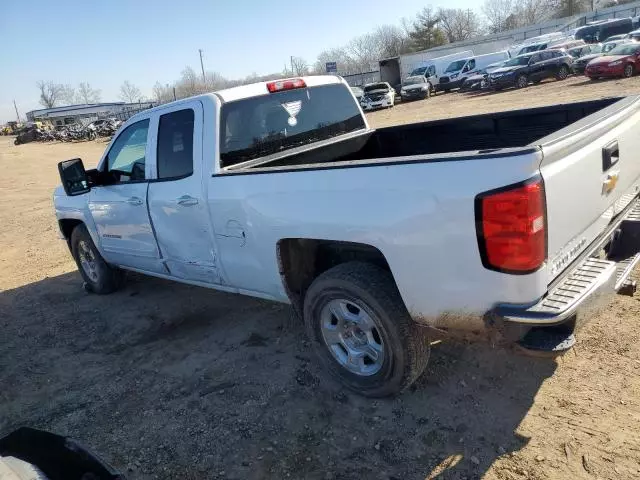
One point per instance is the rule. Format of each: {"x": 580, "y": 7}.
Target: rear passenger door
{"x": 536, "y": 68}
{"x": 177, "y": 199}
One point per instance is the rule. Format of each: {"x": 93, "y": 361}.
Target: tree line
{"x": 431, "y": 27}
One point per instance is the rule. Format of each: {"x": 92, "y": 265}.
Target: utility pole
{"x": 292, "y": 72}
{"x": 16, "y": 107}
{"x": 201, "y": 64}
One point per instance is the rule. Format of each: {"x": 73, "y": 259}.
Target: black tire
{"x": 372, "y": 289}
{"x": 428, "y": 93}
{"x": 563, "y": 72}
{"x": 106, "y": 279}
{"x": 522, "y": 81}
{"x": 16, "y": 142}
{"x": 628, "y": 71}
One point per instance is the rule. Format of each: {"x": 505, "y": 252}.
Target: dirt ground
{"x": 177, "y": 382}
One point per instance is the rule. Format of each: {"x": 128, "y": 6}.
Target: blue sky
{"x": 105, "y": 42}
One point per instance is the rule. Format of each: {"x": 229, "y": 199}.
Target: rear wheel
{"x": 522, "y": 81}
{"x": 362, "y": 332}
{"x": 98, "y": 275}
{"x": 628, "y": 71}
{"x": 563, "y": 72}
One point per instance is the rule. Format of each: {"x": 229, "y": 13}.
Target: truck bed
{"x": 480, "y": 134}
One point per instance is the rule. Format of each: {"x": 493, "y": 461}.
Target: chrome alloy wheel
{"x": 352, "y": 336}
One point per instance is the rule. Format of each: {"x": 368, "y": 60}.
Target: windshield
{"x": 531, "y": 48}
{"x": 259, "y": 126}
{"x": 514, "y": 62}
{"x": 375, "y": 86}
{"x": 414, "y": 80}
{"x": 419, "y": 71}
{"x": 628, "y": 49}
{"x": 455, "y": 66}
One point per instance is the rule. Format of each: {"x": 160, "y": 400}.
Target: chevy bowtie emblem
{"x": 610, "y": 183}
{"x": 292, "y": 108}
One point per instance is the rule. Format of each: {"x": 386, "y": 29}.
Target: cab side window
{"x": 432, "y": 71}
{"x": 471, "y": 65}
{"x": 175, "y": 144}
{"x": 127, "y": 154}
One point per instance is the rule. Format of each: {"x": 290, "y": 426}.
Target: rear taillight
{"x": 288, "y": 84}
{"x": 511, "y": 226}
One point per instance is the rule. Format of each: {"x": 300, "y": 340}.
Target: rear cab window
{"x": 259, "y": 126}
{"x": 175, "y": 144}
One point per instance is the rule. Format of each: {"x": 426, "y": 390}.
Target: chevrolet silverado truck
{"x": 510, "y": 226}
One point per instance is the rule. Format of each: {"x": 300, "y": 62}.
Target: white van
{"x": 457, "y": 71}
{"x": 433, "y": 68}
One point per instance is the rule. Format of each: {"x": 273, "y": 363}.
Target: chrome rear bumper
{"x": 584, "y": 285}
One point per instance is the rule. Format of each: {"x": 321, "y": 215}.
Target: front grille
{"x": 377, "y": 97}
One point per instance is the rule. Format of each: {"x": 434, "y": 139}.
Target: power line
{"x": 16, "y": 107}
{"x": 201, "y": 64}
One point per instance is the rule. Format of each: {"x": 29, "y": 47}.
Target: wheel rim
{"x": 353, "y": 337}
{"x": 88, "y": 260}
{"x": 522, "y": 82}
{"x": 563, "y": 73}
{"x": 628, "y": 71}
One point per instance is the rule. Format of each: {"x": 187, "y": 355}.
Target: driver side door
{"x": 120, "y": 210}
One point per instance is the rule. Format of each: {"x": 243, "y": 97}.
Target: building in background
{"x": 87, "y": 113}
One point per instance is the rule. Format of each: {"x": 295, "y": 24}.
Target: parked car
{"x": 582, "y": 50}
{"x": 533, "y": 67}
{"x": 358, "y": 93}
{"x": 547, "y": 38}
{"x": 458, "y": 70}
{"x": 562, "y": 42}
{"x": 598, "y": 31}
{"x": 490, "y": 225}
{"x": 569, "y": 44}
{"x": 580, "y": 64}
{"x": 634, "y": 35}
{"x": 622, "y": 61}
{"x": 415, "y": 88}
{"x": 378, "y": 95}
{"x": 480, "y": 81}
{"x": 613, "y": 38}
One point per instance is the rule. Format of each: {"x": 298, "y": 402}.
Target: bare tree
{"x": 459, "y": 24}
{"x": 391, "y": 41}
{"x": 496, "y": 13}
{"x": 364, "y": 52}
{"x": 50, "y": 93}
{"x": 567, "y": 8}
{"x": 86, "y": 94}
{"x": 529, "y": 12}
{"x": 162, "y": 93}
{"x": 344, "y": 62}
{"x": 129, "y": 92}
{"x": 299, "y": 65}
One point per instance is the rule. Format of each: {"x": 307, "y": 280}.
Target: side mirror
{"x": 74, "y": 177}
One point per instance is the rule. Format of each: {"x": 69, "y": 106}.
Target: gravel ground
{"x": 170, "y": 381}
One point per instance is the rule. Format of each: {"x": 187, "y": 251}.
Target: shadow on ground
{"x": 170, "y": 381}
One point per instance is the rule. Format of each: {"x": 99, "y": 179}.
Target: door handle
{"x": 610, "y": 155}
{"x": 187, "y": 201}
{"x": 134, "y": 201}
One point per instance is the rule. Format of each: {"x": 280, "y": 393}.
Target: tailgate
{"x": 591, "y": 172}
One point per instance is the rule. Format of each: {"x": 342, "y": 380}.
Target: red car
{"x": 622, "y": 61}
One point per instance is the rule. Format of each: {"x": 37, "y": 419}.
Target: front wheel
{"x": 522, "y": 81}
{"x": 98, "y": 275}
{"x": 563, "y": 72}
{"x": 628, "y": 71}
{"x": 362, "y": 332}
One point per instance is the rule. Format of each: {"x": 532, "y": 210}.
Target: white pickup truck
{"x": 503, "y": 226}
